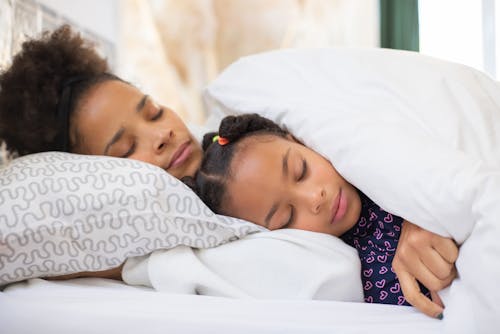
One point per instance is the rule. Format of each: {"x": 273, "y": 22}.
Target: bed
{"x": 104, "y": 306}
{"x": 427, "y": 119}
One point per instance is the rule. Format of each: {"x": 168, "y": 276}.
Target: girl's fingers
{"x": 425, "y": 272}
{"x": 436, "y": 264}
{"x": 412, "y": 294}
{"x": 447, "y": 248}
{"x": 428, "y": 258}
{"x": 436, "y": 299}
{"x": 427, "y": 277}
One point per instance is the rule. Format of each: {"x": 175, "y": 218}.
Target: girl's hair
{"x": 32, "y": 88}
{"x": 210, "y": 181}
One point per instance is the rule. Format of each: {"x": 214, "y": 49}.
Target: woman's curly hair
{"x": 210, "y": 181}
{"x": 30, "y": 89}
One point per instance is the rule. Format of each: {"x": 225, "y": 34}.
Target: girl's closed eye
{"x": 157, "y": 115}
{"x": 301, "y": 176}
{"x": 303, "y": 172}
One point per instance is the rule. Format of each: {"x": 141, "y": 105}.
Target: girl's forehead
{"x": 259, "y": 157}
{"x": 260, "y": 142}
{"x": 268, "y": 146}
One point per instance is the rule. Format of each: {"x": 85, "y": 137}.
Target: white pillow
{"x": 370, "y": 108}
{"x": 420, "y": 136}
{"x": 63, "y": 213}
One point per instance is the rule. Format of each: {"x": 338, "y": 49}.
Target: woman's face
{"x": 116, "y": 119}
{"x": 278, "y": 183}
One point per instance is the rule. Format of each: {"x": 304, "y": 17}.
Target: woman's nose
{"x": 161, "y": 139}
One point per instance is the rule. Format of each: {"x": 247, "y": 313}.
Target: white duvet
{"x": 420, "y": 136}
{"x": 282, "y": 264}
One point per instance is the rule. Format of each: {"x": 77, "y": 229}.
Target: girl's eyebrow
{"x": 138, "y": 108}
{"x": 285, "y": 163}
{"x": 284, "y": 168}
{"x": 141, "y": 103}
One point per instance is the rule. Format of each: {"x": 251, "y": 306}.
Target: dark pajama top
{"x": 375, "y": 236}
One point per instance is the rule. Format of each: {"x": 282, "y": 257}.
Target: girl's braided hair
{"x": 31, "y": 88}
{"x": 210, "y": 181}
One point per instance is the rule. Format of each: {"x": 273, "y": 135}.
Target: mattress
{"x": 93, "y": 305}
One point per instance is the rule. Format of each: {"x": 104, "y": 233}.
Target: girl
{"x": 59, "y": 95}
{"x": 256, "y": 171}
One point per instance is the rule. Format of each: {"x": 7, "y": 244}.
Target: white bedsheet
{"x": 92, "y": 305}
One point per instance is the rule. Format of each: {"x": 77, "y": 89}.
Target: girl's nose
{"x": 316, "y": 199}
{"x": 162, "y": 137}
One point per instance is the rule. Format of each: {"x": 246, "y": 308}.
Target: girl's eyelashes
{"x": 158, "y": 115}
{"x": 304, "y": 171}
{"x": 301, "y": 177}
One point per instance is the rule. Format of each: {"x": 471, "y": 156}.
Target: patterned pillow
{"x": 63, "y": 213}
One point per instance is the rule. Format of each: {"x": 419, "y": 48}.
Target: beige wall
{"x": 172, "y": 48}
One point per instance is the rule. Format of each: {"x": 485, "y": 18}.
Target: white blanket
{"x": 420, "y": 136}
{"x": 284, "y": 264}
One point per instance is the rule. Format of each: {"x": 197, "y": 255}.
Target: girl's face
{"x": 116, "y": 119}
{"x": 278, "y": 183}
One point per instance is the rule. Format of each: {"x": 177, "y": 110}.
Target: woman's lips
{"x": 339, "y": 207}
{"x": 181, "y": 155}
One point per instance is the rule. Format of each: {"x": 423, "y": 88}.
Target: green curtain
{"x": 399, "y": 24}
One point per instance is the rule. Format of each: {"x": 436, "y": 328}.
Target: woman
{"x": 58, "y": 95}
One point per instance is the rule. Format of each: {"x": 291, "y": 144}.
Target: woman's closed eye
{"x": 130, "y": 151}
{"x": 132, "y": 147}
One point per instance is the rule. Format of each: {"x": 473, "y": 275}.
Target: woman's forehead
{"x": 102, "y": 111}
{"x": 112, "y": 92}
{"x": 109, "y": 100}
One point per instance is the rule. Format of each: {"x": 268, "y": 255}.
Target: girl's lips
{"x": 181, "y": 155}
{"x": 339, "y": 207}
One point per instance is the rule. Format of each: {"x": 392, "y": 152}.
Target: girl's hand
{"x": 429, "y": 258}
